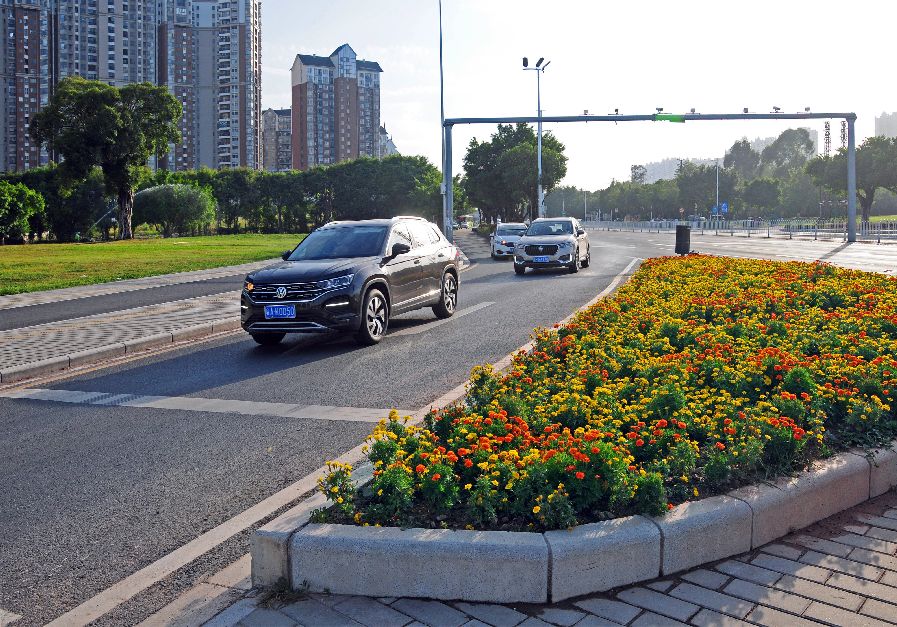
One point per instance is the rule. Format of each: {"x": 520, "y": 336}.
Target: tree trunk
{"x": 125, "y": 211}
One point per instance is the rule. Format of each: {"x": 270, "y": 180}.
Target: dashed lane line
{"x": 208, "y": 405}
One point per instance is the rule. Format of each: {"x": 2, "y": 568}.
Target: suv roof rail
{"x": 408, "y": 218}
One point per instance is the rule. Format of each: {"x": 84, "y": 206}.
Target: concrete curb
{"x": 100, "y": 354}
{"x": 558, "y": 565}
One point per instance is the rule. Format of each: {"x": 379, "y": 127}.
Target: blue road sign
{"x": 725, "y": 207}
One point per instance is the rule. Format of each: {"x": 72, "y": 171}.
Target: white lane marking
{"x": 210, "y": 405}
{"x": 437, "y": 323}
{"x": 139, "y": 581}
{"x": 7, "y": 617}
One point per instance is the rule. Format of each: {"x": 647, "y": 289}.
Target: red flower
{"x": 420, "y": 469}
{"x": 436, "y": 477}
{"x": 468, "y": 463}
{"x": 580, "y": 475}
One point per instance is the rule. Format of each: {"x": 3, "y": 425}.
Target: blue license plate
{"x": 274, "y": 312}
{"x": 542, "y": 259}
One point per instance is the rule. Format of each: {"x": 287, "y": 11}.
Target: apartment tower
{"x": 336, "y": 108}
{"x": 207, "y": 52}
{"x": 277, "y": 147}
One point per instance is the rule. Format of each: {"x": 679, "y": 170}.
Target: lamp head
{"x": 525, "y": 62}
{"x": 539, "y": 62}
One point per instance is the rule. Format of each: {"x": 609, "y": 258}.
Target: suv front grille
{"x": 545, "y": 249}
{"x": 295, "y": 291}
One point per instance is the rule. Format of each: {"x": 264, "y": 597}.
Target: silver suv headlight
{"x": 563, "y": 245}
{"x": 332, "y": 284}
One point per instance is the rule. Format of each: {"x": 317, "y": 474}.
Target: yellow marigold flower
{"x": 537, "y": 509}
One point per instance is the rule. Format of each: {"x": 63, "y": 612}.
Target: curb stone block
{"x": 189, "y": 333}
{"x": 884, "y": 470}
{"x": 830, "y": 486}
{"x": 698, "y": 532}
{"x": 145, "y": 343}
{"x": 270, "y": 544}
{"x": 599, "y": 556}
{"x": 33, "y": 369}
{"x": 94, "y": 355}
{"x": 496, "y": 566}
{"x": 225, "y": 324}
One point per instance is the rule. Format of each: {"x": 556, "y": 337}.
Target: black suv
{"x": 353, "y": 276}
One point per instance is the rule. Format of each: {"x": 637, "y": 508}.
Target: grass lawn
{"x": 35, "y": 267}
{"x": 883, "y": 218}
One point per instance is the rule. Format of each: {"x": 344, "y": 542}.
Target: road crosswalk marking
{"x": 209, "y": 405}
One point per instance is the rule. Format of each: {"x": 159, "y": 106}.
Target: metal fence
{"x": 787, "y": 229}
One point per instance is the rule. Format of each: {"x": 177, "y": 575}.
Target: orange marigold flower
{"x": 436, "y": 477}
{"x": 580, "y": 475}
{"x": 720, "y": 446}
{"x": 468, "y": 463}
{"x": 420, "y": 469}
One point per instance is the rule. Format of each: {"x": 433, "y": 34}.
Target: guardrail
{"x": 789, "y": 229}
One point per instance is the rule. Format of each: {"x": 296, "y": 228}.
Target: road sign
{"x": 725, "y": 207}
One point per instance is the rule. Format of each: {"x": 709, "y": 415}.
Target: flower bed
{"x": 700, "y": 375}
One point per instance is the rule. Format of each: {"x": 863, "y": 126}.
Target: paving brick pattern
{"x": 13, "y": 301}
{"x": 47, "y": 341}
{"x": 841, "y": 571}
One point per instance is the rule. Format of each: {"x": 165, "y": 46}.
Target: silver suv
{"x": 553, "y": 243}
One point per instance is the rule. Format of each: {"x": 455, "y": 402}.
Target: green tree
{"x": 743, "y": 159}
{"x": 697, "y": 186}
{"x": 638, "y": 174}
{"x": 500, "y": 175}
{"x": 876, "y": 167}
{"x": 790, "y": 151}
{"x": 763, "y": 194}
{"x": 92, "y": 124}
{"x": 175, "y": 208}
{"x": 17, "y": 204}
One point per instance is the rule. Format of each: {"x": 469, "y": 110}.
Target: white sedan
{"x": 506, "y": 235}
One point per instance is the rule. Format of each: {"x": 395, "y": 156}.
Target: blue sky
{"x": 715, "y": 56}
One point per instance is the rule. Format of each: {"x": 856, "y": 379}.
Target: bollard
{"x": 683, "y": 239}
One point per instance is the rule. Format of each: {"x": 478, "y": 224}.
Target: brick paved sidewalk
{"x": 841, "y": 571}
{"x": 97, "y": 337}
{"x": 13, "y": 301}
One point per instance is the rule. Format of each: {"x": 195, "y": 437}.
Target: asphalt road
{"x": 92, "y": 493}
{"x": 19, "y": 317}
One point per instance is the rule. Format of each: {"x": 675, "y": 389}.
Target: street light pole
{"x": 539, "y": 69}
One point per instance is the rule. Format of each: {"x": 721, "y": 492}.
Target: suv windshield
{"x": 510, "y": 230}
{"x": 561, "y": 227}
{"x": 341, "y": 242}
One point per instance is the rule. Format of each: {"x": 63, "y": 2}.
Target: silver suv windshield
{"x": 340, "y": 242}
{"x": 551, "y": 227}
{"x": 510, "y": 230}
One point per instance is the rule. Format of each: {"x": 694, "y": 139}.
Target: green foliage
{"x": 175, "y": 208}
{"x": 17, "y": 204}
{"x": 876, "y": 167}
{"x": 93, "y": 124}
{"x": 789, "y": 152}
{"x": 743, "y": 159}
{"x": 501, "y": 174}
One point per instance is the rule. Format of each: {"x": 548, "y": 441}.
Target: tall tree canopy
{"x": 790, "y": 151}
{"x": 697, "y": 186}
{"x": 501, "y": 174}
{"x": 876, "y": 167}
{"x": 743, "y": 159}
{"x": 17, "y": 204}
{"x": 90, "y": 123}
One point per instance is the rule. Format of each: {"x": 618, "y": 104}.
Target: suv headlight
{"x": 340, "y": 281}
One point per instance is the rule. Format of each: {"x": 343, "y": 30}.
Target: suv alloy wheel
{"x": 376, "y": 318}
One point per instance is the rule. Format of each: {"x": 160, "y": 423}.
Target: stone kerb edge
{"x": 118, "y": 349}
{"x": 496, "y": 566}
{"x": 595, "y": 557}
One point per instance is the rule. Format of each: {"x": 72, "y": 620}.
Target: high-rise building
{"x": 277, "y": 147}
{"x": 210, "y": 59}
{"x": 336, "y": 108}
{"x": 387, "y": 146}
{"x": 886, "y": 125}
{"x": 207, "y": 52}
{"x": 24, "y": 68}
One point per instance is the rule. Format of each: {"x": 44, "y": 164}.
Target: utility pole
{"x": 585, "y": 207}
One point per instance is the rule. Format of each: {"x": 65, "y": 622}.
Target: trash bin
{"x": 683, "y": 239}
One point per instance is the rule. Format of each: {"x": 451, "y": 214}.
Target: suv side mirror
{"x": 286, "y": 254}
{"x": 400, "y": 248}
{"x": 580, "y": 231}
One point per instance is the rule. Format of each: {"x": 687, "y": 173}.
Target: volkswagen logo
{"x": 281, "y": 292}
